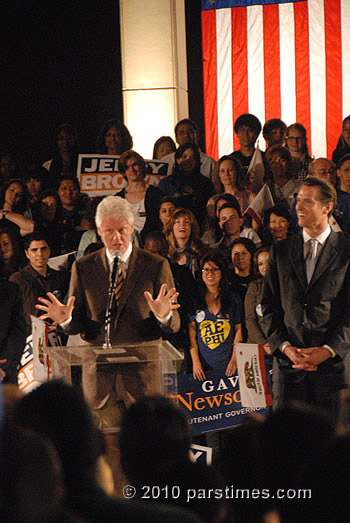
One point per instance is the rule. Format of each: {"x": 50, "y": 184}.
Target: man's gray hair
{"x": 113, "y": 207}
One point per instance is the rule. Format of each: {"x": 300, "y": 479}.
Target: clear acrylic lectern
{"x": 68, "y": 363}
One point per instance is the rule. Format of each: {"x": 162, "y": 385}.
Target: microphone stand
{"x": 112, "y": 285}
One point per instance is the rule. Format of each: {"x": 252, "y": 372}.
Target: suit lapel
{"x": 296, "y": 257}
{"x": 101, "y": 277}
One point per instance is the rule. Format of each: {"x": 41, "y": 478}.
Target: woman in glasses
{"x": 215, "y": 325}
{"x": 296, "y": 143}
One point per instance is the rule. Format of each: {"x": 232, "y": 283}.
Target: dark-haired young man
{"x": 247, "y": 127}
{"x": 37, "y": 278}
{"x": 231, "y": 225}
{"x": 274, "y": 132}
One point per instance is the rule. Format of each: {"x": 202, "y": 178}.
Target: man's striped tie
{"x": 115, "y": 287}
{"x": 119, "y": 286}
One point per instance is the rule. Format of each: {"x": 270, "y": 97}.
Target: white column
{"x": 154, "y": 69}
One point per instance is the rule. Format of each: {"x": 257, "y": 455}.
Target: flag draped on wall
{"x": 276, "y": 59}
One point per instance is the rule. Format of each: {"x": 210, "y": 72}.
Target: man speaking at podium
{"x": 144, "y": 303}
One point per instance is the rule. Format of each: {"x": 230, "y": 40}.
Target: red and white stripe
{"x": 288, "y": 61}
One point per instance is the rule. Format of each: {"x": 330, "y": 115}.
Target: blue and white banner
{"x": 214, "y": 403}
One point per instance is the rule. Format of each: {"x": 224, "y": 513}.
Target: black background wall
{"x": 60, "y": 61}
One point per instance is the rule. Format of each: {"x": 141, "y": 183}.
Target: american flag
{"x": 276, "y": 59}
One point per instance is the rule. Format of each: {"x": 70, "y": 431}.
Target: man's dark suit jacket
{"x": 308, "y": 315}
{"x": 133, "y": 321}
{"x": 12, "y": 328}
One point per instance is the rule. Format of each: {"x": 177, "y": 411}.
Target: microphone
{"x": 57, "y": 294}
{"x": 117, "y": 256}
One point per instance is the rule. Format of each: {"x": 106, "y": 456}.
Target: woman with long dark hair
{"x": 242, "y": 257}
{"x": 190, "y": 188}
{"x": 9, "y": 167}
{"x": 70, "y": 211}
{"x": 13, "y": 205}
{"x": 47, "y": 210}
{"x": 343, "y": 170}
{"x": 163, "y": 146}
{"x": 12, "y": 256}
{"x": 219, "y": 311}
{"x": 343, "y": 145}
{"x": 65, "y": 157}
{"x": 166, "y": 208}
{"x": 113, "y": 138}
{"x": 185, "y": 246}
{"x": 228, "y": 178}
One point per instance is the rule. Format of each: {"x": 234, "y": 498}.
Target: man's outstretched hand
{"x": 54, "y": 309}
{"x": 164, "y": 302}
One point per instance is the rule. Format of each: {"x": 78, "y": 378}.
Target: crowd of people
{"x": 291, "y": 466}
{"x": 199, "y": 219}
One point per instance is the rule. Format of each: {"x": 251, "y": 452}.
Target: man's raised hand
{"x": 54, "y": 309}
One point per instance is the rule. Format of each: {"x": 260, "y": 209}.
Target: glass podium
{"x": 119, "y": 376}
{"x": 68, "y": 363}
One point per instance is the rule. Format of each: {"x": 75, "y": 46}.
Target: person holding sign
{"x": 215, "y": 326}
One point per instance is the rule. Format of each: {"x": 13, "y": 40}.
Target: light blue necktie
{"x": 311, "y": 258}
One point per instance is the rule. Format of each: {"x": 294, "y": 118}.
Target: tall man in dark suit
{"x": 306, "y": 304}
{"x": 147, "y": 302}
